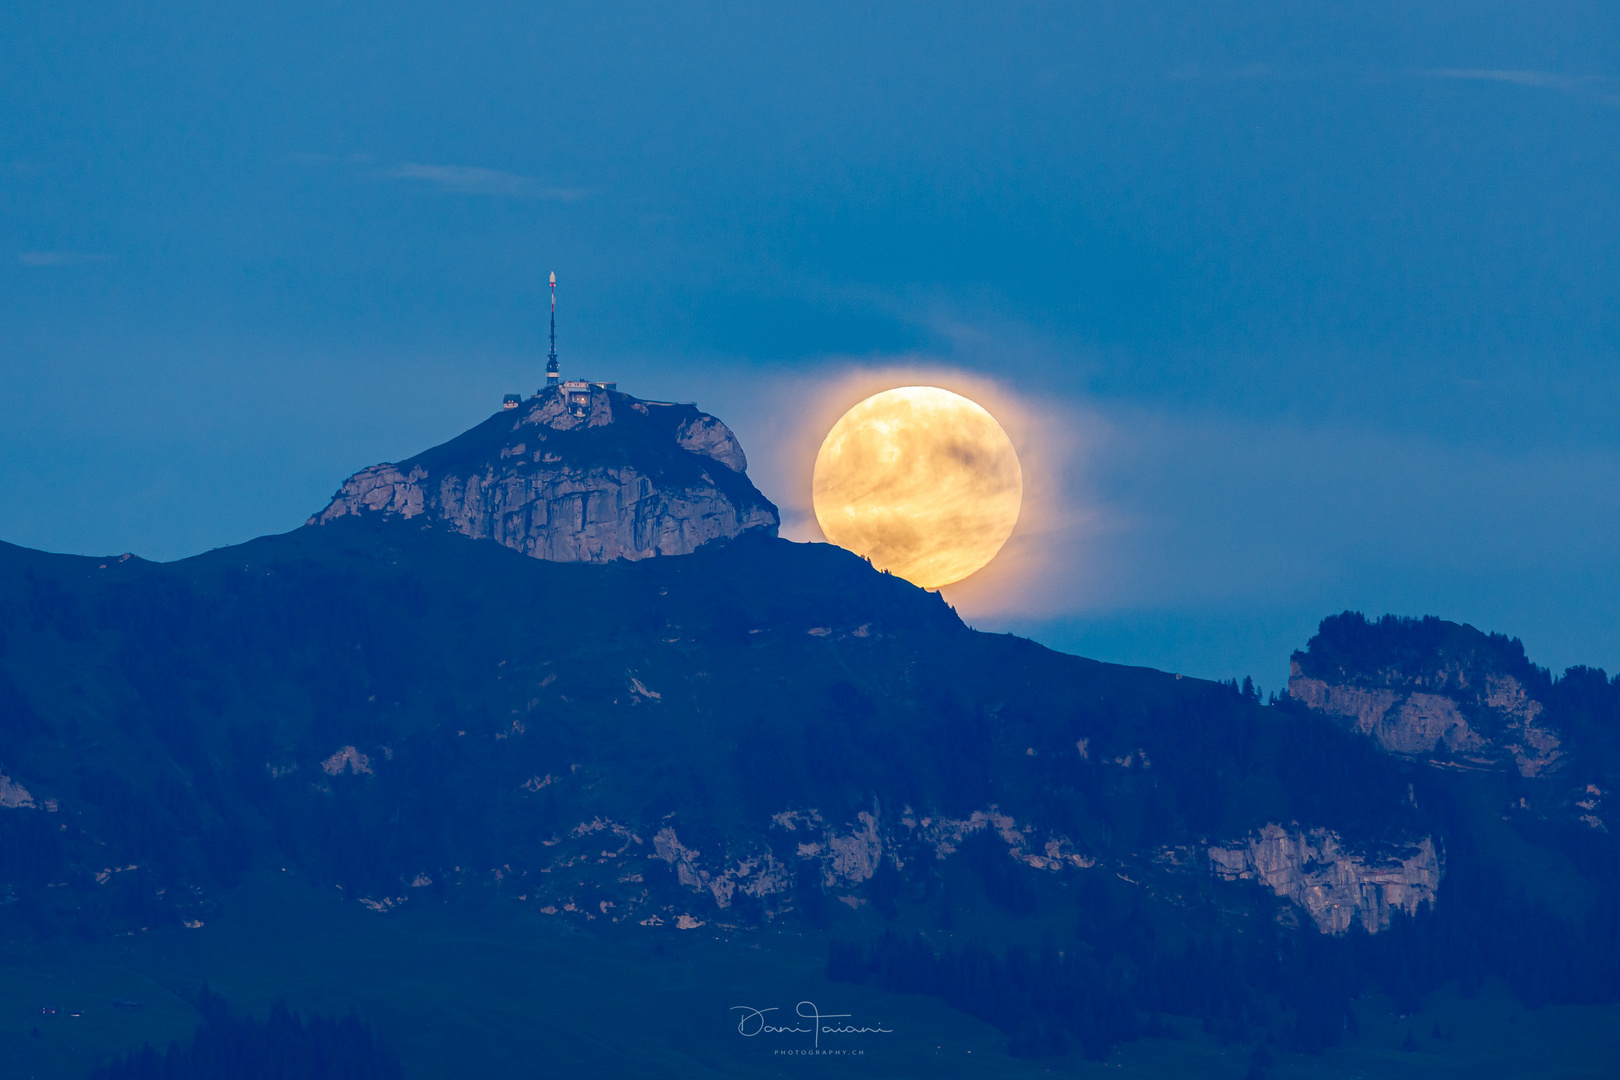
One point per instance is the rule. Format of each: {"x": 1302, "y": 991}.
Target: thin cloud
{"x": 310, "y": 158}
{"x": 1593, "y": 87}
{"x": 1599, "y": 88}
{"x": 1193, "y": 72}
{"x": 61, "y": 258}
{"x": 473, "y": 180}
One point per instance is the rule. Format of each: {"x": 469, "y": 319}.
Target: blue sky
{"x": 1311, "y": 307}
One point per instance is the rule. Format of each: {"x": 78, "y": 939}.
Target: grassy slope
{"x": 486, "y": 988}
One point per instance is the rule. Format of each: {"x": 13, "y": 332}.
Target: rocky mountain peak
{"x": 575, "y": 474}
{"x": 1430, "y": 687}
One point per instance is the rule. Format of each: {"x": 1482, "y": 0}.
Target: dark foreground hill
{"x": 766, "y": 738}
{"x": 384, "y": 703}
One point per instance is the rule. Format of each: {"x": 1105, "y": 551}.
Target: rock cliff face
{"x": 843, "y": 857}
{"x": 13, "y": 796}
{"x": 1428, "y": 687}
{"x": 1336, "y": 886}
{"x": 614, "y": 478}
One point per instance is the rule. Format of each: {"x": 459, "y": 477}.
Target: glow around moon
{"x": 921, "y": 481}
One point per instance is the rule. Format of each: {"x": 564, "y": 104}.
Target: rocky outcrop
{"x": 1414, "y": 723}
{"x": 1529, "y": 738}
{"x": 1427, "y": 687}
{"x": 759, "y": 875}
{"x": 846, "y": 857}
{"x": 13, "y": 796}
{"x": 1336, "y": 886}
{"x": 347, "y": 759}
{"x": 571, "y": 481}
{"x": 1317, "y": 870}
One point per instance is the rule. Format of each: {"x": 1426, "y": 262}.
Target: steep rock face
{"x": 844, "y": 857}
{"x": 1336, "y": 886}
{"x": 1317, "y": 870}
{"x": 618, "y": 478}
{"x": 1427, "y": 687}
{"x": 13, "y": 796}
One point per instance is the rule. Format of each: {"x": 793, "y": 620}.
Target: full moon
{"x": 921, "y": 481}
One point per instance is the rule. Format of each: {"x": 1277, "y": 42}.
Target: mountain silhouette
{"x": 757, "y": 736}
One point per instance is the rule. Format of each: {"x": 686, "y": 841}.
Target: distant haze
{"x": 1297, "y": 310}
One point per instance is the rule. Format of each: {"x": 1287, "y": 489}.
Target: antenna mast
{"x": 551, "y": 360}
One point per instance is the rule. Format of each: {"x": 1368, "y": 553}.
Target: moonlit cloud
{"x": 61, "y": 258}
{"x": 1241, "y": 522}
{"x": 1058, "y": 523}
{"x": 1211, "y": 543}
{"x": 474, "y": 180}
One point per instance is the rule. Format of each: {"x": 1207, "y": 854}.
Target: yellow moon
{"x": 921, "y": 481}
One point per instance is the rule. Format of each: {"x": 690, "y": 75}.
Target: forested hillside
{"x": 764, "y": 736}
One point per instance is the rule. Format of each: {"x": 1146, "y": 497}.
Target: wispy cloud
{"x": 473, "y": 180}
{"x": 1598, "y": 88}
{"x": 1593, "y": 87}
{"x": 1193, "y": 72}
{"x": 61, "y": 258}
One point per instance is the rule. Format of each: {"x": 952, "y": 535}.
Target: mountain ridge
{"x": 838, "y": 608}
